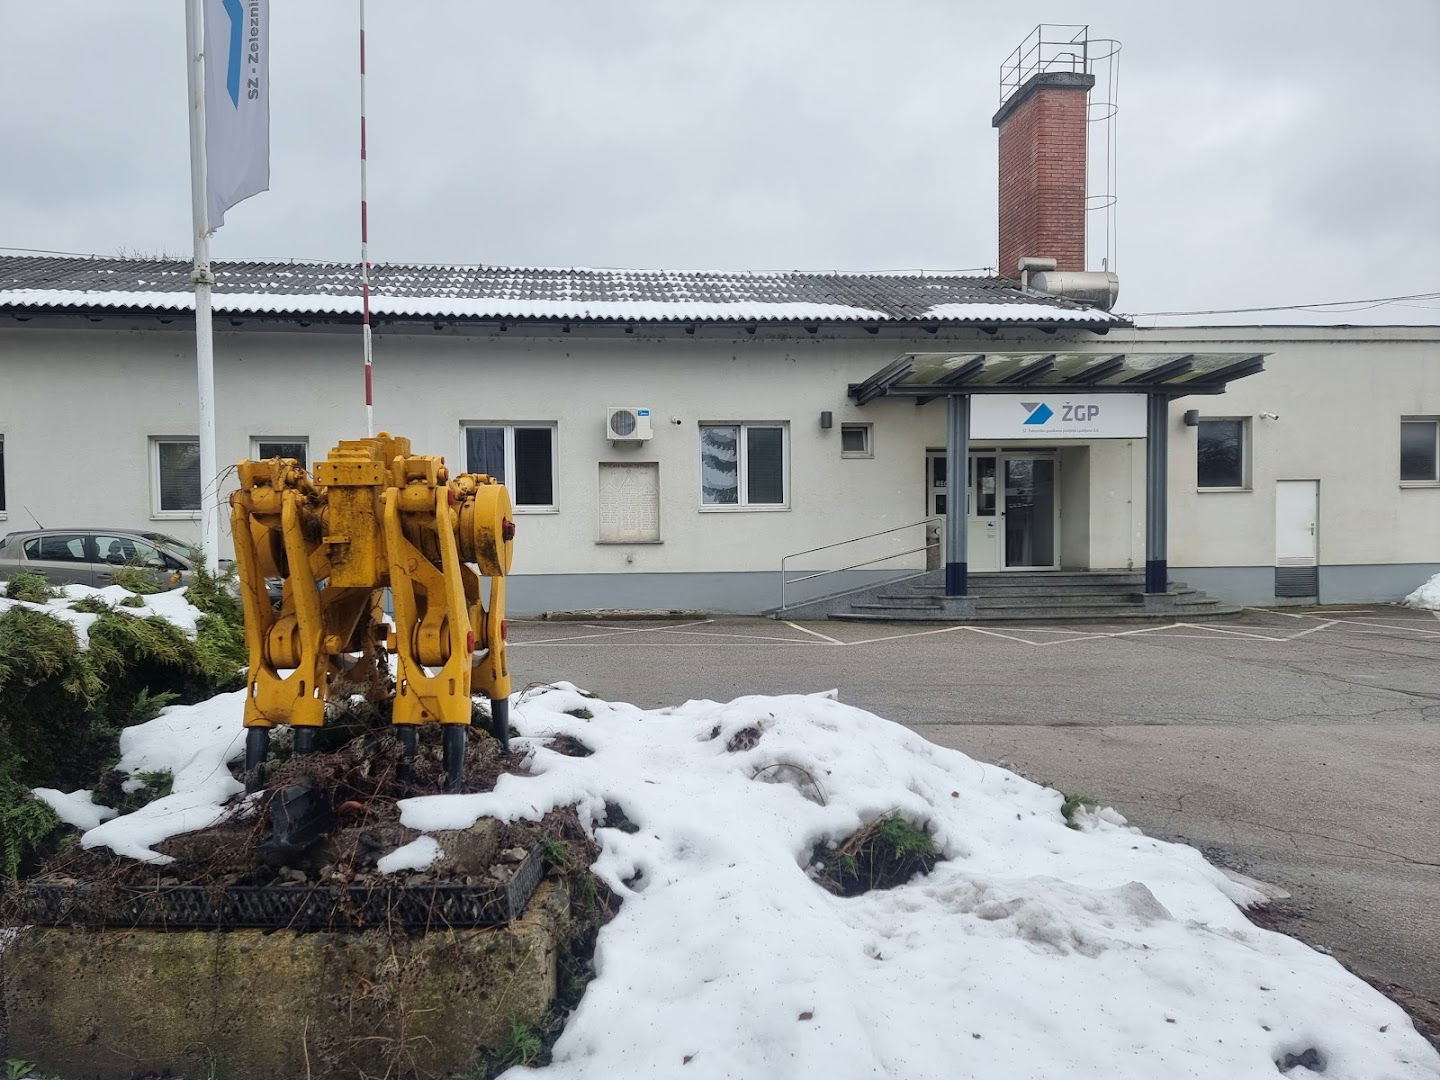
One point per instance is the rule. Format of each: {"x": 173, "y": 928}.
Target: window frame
{"x": 157, "y": 511}
{"x": 256, "y": 440}
{"x": 3, "y": 504}
{"x": 1246, "y": 437}
{"x": 1434, "y": 479}
{"x": 867, "y": 430}
{"x": 508, "y": 427}
{"x": 742, "y": 467}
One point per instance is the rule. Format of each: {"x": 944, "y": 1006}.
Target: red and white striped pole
{"x": 365, "y": 246}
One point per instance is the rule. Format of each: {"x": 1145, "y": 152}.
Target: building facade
{"x": 758, "y": 449}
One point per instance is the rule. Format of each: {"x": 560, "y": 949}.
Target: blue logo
{"x": 1038, "y": 410}
{"x": 237, "y": 40}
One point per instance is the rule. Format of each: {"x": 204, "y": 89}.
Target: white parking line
{"x": 917, "y": 633}
{"x": 1322, "y": 626}
{"x": 822, "y": 637}
{"x": 1390, "y": 626}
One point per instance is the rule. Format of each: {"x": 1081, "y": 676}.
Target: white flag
{"x": 237, "y": 103}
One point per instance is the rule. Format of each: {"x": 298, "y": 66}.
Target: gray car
{"x": 94, "y": 556}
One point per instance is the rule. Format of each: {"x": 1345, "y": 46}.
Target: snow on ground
{"x": 1427, "y": 596}
{"x": 171, "y": 606}
{"x": 1033, "y": 951}
{"x": 194, "y": 742}
{"x": 416, "y": 855}
{"x": 76, "y": 808}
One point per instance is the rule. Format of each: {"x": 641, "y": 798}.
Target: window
{"x": 56, "y": 547}
{"x": 2, "y": 475}
{"x": 129, "y": 551}
{"x": 175, "y": 479}
{"x": 521, "y": 456}
{"x": 1419, "y": 452}
{"x": 263, "y": 447}
{"x": 743, "y": 465}
{"x": 855, "y": 440}
{"x": 1220, "y": 458}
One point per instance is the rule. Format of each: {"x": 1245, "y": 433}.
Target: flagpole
{"x": 365, "y": 247}
{"x": 203, "y": 280}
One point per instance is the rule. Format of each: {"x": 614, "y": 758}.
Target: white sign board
{"x": 629, "y": 502}
{"x": 1045, "y": 414}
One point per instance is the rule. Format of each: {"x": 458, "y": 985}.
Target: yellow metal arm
{"x": 373, "y": 517}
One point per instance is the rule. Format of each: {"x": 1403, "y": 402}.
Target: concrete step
{"x": 1066, "y": 600}
{"x": 1212, "y": 610}
{"x": 1114, "y": 589}
{"x": 902, "y": 600}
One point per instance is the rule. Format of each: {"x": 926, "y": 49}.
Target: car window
{"x": 127, "y": 551}
{"x": 56, "y": 547}
{"x": 178, "y": 548}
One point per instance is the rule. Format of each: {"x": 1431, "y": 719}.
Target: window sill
{"x": 1222, "y": 490}
{"x": 175, "y": 515}
{"x": 627, "y": 543}
{"x": 536, "y": 509}
{"x": 757, "y": 508}
{"x": 1403, "y": 484}
{"x": 853, "y": 455}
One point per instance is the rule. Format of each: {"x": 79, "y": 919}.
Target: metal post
{"x": 957, "y": 467}
{"x": 1157, "y": 512}
{"x": 365, "y": 248}
{"x": 203, "y": 280}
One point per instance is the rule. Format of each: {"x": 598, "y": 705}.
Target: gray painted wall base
{"x": 1361, "y": 584}
{"x": 756, "y": 591}
{"x": 747, "y": 592}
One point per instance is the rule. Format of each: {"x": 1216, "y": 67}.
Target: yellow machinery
{"x": 374, "y": 516}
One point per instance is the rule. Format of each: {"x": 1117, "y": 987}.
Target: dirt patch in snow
{"x": 886, "y": 853}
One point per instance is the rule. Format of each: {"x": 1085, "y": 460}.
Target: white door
{"x": 983, "y": 510}
{"x": 1297, "y": 527}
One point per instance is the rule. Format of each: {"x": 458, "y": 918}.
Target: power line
{"x": 1353, "y": 305}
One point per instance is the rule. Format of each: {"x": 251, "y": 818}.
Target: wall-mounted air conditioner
{"x": 628, "y": 424}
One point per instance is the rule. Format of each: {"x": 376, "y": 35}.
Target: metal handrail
{"x": 853, "y": 566}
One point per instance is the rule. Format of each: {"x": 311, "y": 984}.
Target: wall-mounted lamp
{"x": 827, "y": 420}
{"x": 1192, "y": 417}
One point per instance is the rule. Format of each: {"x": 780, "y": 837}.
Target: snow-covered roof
{"x": 36, "y": 283}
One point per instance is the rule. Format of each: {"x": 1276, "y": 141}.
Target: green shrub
{"x": 28, "y": 827}
{"x": 1072, "y": 805}
{"x": 221, "y": 653}
{"x": 30, "y": 587}
{"x": 91, "y": 605}
{"x": 216, "y": 594}
{"x": 141, "y": 580}
{"x": 147, "y": 706}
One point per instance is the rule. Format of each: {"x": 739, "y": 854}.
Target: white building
{"x": 780, "y": 413}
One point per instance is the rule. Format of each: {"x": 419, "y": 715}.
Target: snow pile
{"x": 1034, "y": 950}
{"x": 194, "y": 743}
{"x": 170, "y": 606}
{"x": 77, "y": 808}
{"x": 1426, "y": 597}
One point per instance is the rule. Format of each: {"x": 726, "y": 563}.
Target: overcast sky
{"x": 1269, "y": 151}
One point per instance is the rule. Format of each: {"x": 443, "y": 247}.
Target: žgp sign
{"x": 1059, "y": 416}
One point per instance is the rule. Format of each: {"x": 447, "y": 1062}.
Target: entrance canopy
{"x": 926, "y": 375}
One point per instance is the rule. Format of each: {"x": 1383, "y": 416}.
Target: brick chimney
{"x": 1042, "y": 171}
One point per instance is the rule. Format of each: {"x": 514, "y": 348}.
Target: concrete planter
{"x": 252, "y": 1005}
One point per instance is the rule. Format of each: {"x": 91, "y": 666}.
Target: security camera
{"x": 676, "y": 420}
{"x": 1269, "y": 416}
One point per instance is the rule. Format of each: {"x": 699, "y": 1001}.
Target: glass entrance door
{"x": 1029, "y": 512}
{"x": 1011, "y": 509}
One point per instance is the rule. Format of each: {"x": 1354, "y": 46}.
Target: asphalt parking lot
{"x": 1301, "y": 747}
